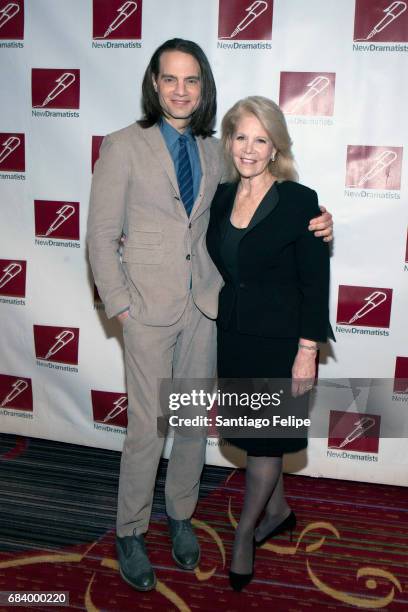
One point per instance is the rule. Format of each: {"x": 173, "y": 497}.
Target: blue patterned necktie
{"x": 185, "y": 176}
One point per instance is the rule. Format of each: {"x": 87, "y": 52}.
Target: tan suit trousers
{"x": 186, "y": 349}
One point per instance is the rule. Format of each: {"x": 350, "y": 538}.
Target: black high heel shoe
{"x": 239, "y": 581}
{"x": 289, "y": 523}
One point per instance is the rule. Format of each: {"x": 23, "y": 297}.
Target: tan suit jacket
{"x": 135, "y": 193}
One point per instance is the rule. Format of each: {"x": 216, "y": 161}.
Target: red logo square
{"x": 374, "y": 167}
{"x": 96, "y": 145}
{"x": 381, "y": 21}
{"x": 117, "y": 19}
{"x": 16, "y": 392}
{"x": 12, "y": 152}
{"x": 11, "y": 19}
{"x": 364, "y": 306}
{"x": 13, "y": 277}
{"x": 56, "y": 219}
{"x": 245, "y": 20}
{"x": 351, "y": 431}
{"x": 401, "y": 375}
{"x": 110, "y": 408}
{"x": 58, "y": 344}
{"x": 307, "y": 93}
{"x": 55, "y": 88}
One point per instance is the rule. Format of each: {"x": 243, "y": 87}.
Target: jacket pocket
{"x": 142, "y": 255}
{"x": 146, "y": 238}
{"x": 143, "y": 248}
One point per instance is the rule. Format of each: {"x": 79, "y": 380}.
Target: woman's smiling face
{"x": 251, "y": 147}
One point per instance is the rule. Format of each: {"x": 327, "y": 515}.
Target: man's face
{"x": 178, "y": 85}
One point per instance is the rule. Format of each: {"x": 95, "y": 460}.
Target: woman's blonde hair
{"x": 273, "y": 120}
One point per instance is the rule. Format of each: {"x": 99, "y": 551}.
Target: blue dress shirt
{"x": 171, "y": 138}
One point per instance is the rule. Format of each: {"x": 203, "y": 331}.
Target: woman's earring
{"x": 273, "y": 157}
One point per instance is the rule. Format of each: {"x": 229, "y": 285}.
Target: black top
{"x": 232, "y": 235}
{"x": 229, "y": 249}
{"x": 280, "y": 281}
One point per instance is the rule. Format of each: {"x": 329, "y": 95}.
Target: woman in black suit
{"x": 273, "y": 308}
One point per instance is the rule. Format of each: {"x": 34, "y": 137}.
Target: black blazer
{"x": 282, "y": 289}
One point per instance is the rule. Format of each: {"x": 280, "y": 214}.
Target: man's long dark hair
{"x": 203, "y": 118}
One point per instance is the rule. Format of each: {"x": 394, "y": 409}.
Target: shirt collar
{"x": 170, "y": 134}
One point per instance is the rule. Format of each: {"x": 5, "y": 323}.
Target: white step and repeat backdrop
{"x": 71, "y": 72}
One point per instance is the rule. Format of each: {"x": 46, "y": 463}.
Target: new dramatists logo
{"x": 307, "y": 93}
{"x": 109, "y": 408}
{"x": 16, "y": 392}
{"x": 374, "y": 167}
{"x": 55, "y": 88}
{"x": 401, "y": 375}
{"x": 381, "y": 21}
{"x": 351, "y": 431}
{"x": 245, "y": 20}
{"x": 12, "y": 20}
{"x": 364, "y": 306}
{"x": 13, "y": 278}
{"x": 57, "y": 344}
{"x": 117, "y": 19}
{"x": 12, "y": 152}
{"x": 56, "y": 219}
{"x": 96, "y": 145}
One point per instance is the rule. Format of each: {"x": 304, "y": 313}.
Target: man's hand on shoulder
{"x": 322, "y": 226}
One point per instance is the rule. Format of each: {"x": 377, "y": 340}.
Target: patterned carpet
{"x": 349, "y": 551}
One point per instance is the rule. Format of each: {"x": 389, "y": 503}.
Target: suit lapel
{"x": 266, "y": 206}
{"x": 158, "y": 146}
{"x": 156, "y": 142}
{"x": 206, "y": 165}
{"x": 228, "y": 198}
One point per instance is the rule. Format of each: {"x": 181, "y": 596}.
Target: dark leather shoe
{"x": 186, "y": 549}
{"x": 134, "y": 564}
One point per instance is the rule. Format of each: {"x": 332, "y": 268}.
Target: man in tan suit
{"x": 152, "y": 188}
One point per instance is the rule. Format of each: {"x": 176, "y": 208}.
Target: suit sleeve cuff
{"x": 122, "y": 311}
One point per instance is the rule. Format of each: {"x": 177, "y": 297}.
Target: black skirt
{"x": 244, "y": 356}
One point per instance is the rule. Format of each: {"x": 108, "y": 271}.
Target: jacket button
{"x": 188, "y": 257}
{"x": 189, "y": 226}
{"x": 242, "y": 285}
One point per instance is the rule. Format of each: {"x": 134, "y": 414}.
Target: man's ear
{"x": 154, "y": 83}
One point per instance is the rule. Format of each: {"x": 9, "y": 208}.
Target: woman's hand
{"x": 304, "y": 369}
